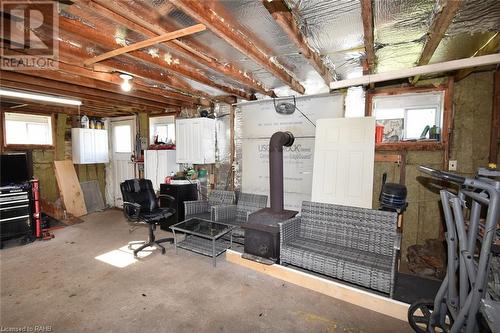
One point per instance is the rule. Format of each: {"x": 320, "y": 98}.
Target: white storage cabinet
{"x": 89, "y": 145}
{"x": 195, "y": 140}
{"x": 159, "y": 164}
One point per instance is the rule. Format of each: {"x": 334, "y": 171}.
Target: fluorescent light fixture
{"x": 39, "y": 97}
{"x": 126, "y": 86}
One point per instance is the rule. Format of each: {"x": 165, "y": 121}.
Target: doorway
{"x": 122, "y": 138}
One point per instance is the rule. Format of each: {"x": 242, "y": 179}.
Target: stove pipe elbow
{"x": 276, "y": 144}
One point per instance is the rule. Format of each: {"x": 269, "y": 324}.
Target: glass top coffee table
{"x": 203, "y": 236}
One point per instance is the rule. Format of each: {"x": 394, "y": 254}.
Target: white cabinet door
{"x": 87, "y": 147}
{"x": 101, "y": 146}
{"x": 195, "y": 140}
{"x": 182, "y": 130}
{"x": 343, "y": 161}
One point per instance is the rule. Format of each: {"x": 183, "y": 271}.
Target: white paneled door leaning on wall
{"x": 343, "y": 161}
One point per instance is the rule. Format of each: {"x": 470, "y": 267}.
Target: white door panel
{"x": 343, "y": 161}
{"x": 122, "y": 139}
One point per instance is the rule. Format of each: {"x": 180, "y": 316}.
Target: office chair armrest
{"x": 167, "y": 197}
{"x": 131, "y": 210}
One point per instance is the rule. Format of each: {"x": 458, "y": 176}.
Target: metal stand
{"x": 456, "y": 305}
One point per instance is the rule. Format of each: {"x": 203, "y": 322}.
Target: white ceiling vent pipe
{"x": 452, "y": 65}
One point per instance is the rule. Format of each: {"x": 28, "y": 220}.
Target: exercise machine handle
{"x": 451, "y": 177}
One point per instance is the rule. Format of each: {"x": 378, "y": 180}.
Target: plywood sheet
{"x": 69, "y": 188}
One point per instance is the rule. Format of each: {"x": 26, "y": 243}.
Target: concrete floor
{"x": 60, "y": 284}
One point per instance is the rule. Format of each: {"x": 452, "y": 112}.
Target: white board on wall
{"x": 260, "y": 121}
{"x": 344, "y": 161}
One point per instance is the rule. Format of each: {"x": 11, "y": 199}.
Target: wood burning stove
{"x": 261, "y": 229}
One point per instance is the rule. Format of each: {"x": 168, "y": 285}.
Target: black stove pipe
{"x": 276, "y": 144}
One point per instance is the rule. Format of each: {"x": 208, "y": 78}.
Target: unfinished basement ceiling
{"x": 205, "y": 67}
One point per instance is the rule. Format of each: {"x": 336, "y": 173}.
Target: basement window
{"x": 28, "y": 129}
{"x": 411, "y": 119}
{"x": 163, "y": 128}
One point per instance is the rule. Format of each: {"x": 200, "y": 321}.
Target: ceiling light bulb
{"x": 126, "y": 86}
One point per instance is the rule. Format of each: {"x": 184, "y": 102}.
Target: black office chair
{"x": 140, "y": 206}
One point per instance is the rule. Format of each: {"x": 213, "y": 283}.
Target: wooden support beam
{"x": 439, "y": 25}
{"x": 367, "y": 16}
{"x": 283, "y": 16}
{"x": 447, "y": 130}
{"x": 224, "y": 27}
{"x": 161, "y": 60}
{"x": 145, "y": 43}
{"x": 102, "y": 88}
{"x": 343, "y": 292}
{"x": 492, "y": 45}
{"x": 38, "y": 82}
{"x": 495, "y": 121}
{"x": 133, "y": 17}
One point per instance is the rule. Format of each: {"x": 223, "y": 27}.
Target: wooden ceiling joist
{"x": 134, "y": 19}
{"x": 145, "y": 43}
{"x": 224, "y": 27}
{"x": 77, "y": 87}
{"x": 284, "y": 18}
{"x": 439, "y": 25}
{"x": 367, "y": 16}
{"x": 491, "y": 46}
{"x": 94, "y": 36}
{"x": 76, "y": 55}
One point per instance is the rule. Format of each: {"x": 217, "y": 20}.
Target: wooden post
{"x": 495, "y": 120}
{"x": 447, "y": 131}
{"x": 60, "y": 133}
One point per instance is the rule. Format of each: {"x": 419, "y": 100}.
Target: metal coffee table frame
{"x": 211, "y": 246}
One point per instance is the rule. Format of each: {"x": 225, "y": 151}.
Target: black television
{"x": 15, "y": 168}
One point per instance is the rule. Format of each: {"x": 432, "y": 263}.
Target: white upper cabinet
{"x": 195, "y": 140}
{"x": 89, "y": 146}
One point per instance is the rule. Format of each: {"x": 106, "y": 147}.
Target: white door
{"x": 122, "y": 143}
{"x": 343, "y": 161}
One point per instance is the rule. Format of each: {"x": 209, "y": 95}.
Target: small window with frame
{"x": 412, "y": 118}
{"x": 22, "y": 129}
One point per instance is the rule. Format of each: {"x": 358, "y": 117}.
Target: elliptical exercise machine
{"x": 457, "y": 302}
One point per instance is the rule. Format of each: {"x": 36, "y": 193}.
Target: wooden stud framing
{"x": 447, "y": 130}
{"x": 145, "y": 43}
{"x": 283, "y": 16}
{"x": 224, "y": 27}
{"x": 82, "y": 31}
{"x": 495, "y": 120}
{"x": 133, "y": 19}
{"x": 367, "y": 16}
{"x": 438, "y": 28}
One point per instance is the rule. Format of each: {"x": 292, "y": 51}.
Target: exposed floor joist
{"x": 146, "y": 43}
{"x": 77, "y": 87}
{"x": 367, "y": 16}
{"x": 439, "y": 25}
{"x": 99, "y": 37}
{"x": 224, "y": 27}
{"x": 283, "y": 16}
{"x": 134, "y": 19}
